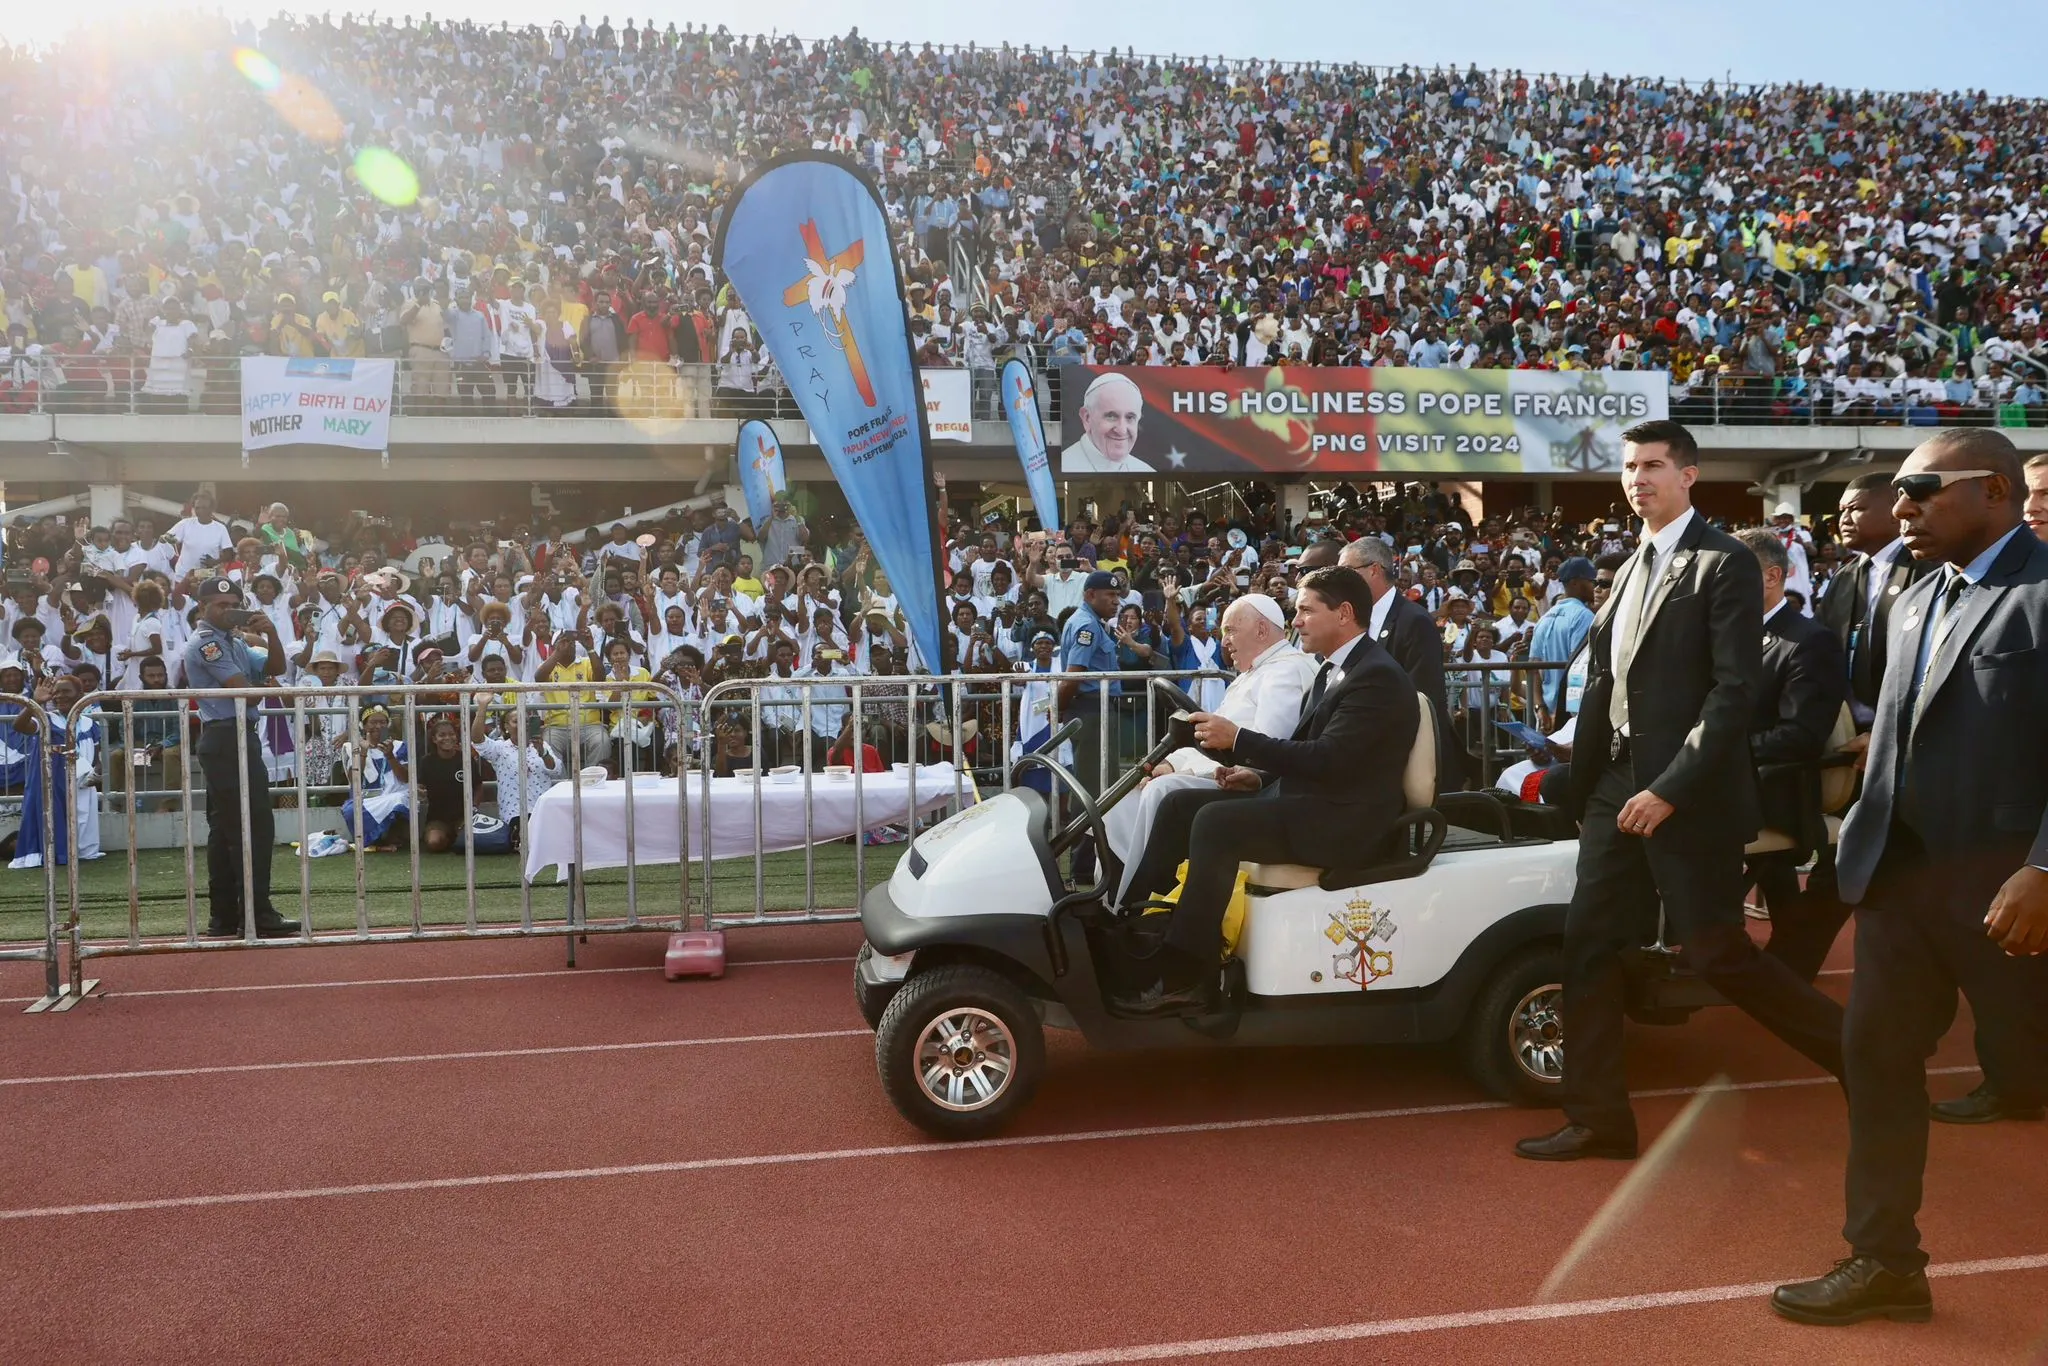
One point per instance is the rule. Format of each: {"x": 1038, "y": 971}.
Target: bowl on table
{"x": 785, "y": 775}
{"x": 839, "y": 773}
{"x": 746, "y": 773}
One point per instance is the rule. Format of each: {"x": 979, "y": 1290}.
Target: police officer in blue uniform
{"x": 216, "y": 657}
{"x": 1088, "y": 644}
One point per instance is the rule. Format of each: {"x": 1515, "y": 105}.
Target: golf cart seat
{"x": 1409, "y": 846}
{"x": 1832, "y": 780}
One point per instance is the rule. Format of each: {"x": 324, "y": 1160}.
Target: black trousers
{"x": 1213, "y": 830}
{"x": 1917, "y": 944}
{"x": 224, "y": 782}
{"x": 1804, "y": 923}
{"x": 1087, "y": 767}
{"x": 1614, "y": 910}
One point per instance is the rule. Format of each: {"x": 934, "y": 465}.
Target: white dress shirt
{"x": 1631, "y": 595}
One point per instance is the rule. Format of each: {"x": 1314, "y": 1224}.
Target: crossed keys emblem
{"x": 1354, "y": 930}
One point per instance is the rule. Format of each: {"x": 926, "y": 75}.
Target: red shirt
{"x": 649, "y": 336}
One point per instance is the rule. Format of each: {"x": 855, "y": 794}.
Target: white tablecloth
{"x": 550, "y": 834}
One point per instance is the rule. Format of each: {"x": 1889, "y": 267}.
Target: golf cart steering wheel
{"x": 1178, "y": 696}
{"x": 1090, "y": 818}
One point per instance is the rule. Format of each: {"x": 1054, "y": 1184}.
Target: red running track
{"x": 466, "y": 1153}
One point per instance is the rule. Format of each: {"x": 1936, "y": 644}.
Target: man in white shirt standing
{"x": 1266, "y": 696}
{"x": 202, "y": 540}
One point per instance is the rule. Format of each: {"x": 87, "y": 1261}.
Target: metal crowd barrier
{"x": 919, "y": 718}
{"x": 1481, "y": 698}
{"x": 951, "y": 702}
{"x": 415, "y": 703}
{"x": 56, "y": 996}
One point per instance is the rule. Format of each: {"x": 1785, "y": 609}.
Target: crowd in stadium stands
{"x": 699, "y": 597}
{"x": 1786, "y": 253}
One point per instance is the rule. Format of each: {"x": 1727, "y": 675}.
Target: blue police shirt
{"x": 211, "y": 659}
{"x": 1087, "y": 644}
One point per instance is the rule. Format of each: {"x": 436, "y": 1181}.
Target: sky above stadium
{"x": 1874, "y": 44}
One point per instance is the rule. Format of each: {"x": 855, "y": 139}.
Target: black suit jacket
{"x": 1692, "y": 687}
{"x": 1339, "y": 774}
{"x": 1977, "y": 758}
{"x": 1799, "y": 698}
{"x": 1410, "y": 635}
{"x": 1842, "y": 609}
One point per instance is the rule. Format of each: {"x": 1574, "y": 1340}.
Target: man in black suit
{"x": 1665, "y": 792}
{"x": 1327, "y": 795}
{"x": 1953, "y": 820}
{"x": 1857, "y": 605}
{"x": 1799, "y": 700}
{"x": 1409, "y": 634}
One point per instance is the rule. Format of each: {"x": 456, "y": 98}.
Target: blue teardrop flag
{"x": 807, "y": 246}
{"x": 1027, "y": 429}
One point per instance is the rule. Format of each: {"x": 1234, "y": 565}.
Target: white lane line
{"x": 702, "y": 1164}
{"x": 471, "y": 1056}
{"x": 566, "y": 974}
{"x": 1476, "y": 1318}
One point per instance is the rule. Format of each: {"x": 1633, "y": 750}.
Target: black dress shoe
{"x": 275, "y": 927}
{"x": 217, "y": 930}
{"x": 1981, "y": 1106}
{"x": 1160, "y": 1000}
{"x": 1858, "y": 1288}
{"x": 1573, "y": 1142}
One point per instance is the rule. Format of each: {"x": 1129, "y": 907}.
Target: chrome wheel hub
{"x": 965, "y": 1059}
{"x": 1536, "y": 1034}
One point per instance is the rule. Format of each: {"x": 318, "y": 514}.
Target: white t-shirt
{"x": 197, "y": 540}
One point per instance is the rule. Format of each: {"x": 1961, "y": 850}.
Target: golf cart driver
{"x": 1331, "y": 786}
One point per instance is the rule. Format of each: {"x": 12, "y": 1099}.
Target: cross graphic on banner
{"x": 824, "y": 289}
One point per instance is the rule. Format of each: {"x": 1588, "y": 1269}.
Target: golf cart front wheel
{"x": 960, "y": 1051}
{"x": 1513, "y": 1043}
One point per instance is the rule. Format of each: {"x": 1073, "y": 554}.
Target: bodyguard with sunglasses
{"x": 1945, "y": 855}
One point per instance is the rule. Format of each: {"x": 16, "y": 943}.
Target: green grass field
{"x": 161, "y": 885}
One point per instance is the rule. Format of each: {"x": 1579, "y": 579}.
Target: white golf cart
{"x": 974, "y": 945}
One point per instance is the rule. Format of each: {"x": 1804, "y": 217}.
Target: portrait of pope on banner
{"x": 1110, "y": 410}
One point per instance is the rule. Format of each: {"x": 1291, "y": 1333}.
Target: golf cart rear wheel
{"x": 872, "y": 997}
{"x": 960, "y": 1051}
{"x": 1513, "y": 1042}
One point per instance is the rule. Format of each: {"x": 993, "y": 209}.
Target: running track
{"x": 464, "y": 1153}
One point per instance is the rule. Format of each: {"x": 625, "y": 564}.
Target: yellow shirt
{"x": 335, "y": 332}
{"x": 751, "y": 587}
{"x": 575, "y": 671}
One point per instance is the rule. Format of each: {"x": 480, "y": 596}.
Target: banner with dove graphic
{"x": 759, "y": 455}
{"x": 1027, "y": 429}
{"x": 807, "y": 246}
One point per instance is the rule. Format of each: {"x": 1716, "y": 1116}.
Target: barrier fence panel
{"x": 936, "y": 742}
{"x": 42, "y": 912}
{"x": 1482, "y": 697}
{"x": 385, "y": 782}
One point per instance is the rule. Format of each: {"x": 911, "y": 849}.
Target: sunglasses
{"x": 1918, "y": 488}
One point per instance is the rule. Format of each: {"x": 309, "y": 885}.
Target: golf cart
{"x": 1447, "y": 932}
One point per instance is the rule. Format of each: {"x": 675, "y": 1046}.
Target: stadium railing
{"x": 635, "y": 390}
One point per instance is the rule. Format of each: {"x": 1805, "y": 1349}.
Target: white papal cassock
{"x": 1266, "y": 698}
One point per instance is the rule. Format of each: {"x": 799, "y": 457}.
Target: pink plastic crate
{"x": 694, "y": 953}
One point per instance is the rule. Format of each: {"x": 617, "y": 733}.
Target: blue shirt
{"x": 1559, "y": 633}
{"x": 1086, "y": 643}
{"x": 1973, "y": 573}
{"x": 212, "y": 658}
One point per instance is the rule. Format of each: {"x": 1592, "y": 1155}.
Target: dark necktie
{"x": 1315, "y": 694}
{"x": 1938, "y": 636}
{"x": 1930, "y": 644}
{"x": 1624, "y": 650}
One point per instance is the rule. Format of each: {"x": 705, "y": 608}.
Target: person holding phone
{"x": 217, "y": 657}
